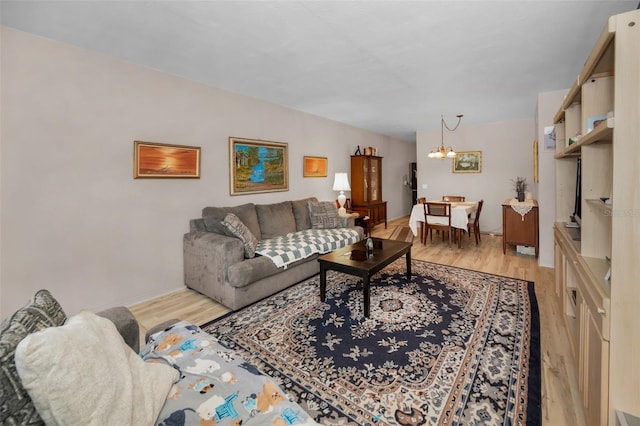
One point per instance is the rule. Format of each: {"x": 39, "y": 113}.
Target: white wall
{"x": 507, "y": 152}
{"x": 548, "y": 104}
{"x": 75, "y": 221}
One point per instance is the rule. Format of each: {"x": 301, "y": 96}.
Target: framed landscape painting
{"x": 467, "y": 162}
{"x": 315, "y": 167}
{"x": 257, "y": 166}
{"x": 159, "y": 160}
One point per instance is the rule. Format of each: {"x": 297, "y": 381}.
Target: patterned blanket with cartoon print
{"x": 216, "y": 386}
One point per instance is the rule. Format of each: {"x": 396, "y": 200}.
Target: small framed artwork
{"x": 467, "y": 162}
{"x": 257, "y": 166}
{"x": 314, "y": 166}
{"x": 550, "y": 138}
{"x": 159, "y": 160}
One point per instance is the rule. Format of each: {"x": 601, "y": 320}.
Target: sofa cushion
{"x": 41, "y": 312}
{"x": 275, "y": 219}
{"x": 236, "y": 228}
{"x": 249, "y": 271}
{"x": 324, "y": 215}
{"x": 213, "y": 217}
{"x": 83, "y": 373}
{"x": 301, "y": 213}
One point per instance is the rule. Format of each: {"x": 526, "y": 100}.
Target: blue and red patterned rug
{"x": 452, "y": 346}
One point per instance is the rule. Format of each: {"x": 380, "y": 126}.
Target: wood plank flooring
{"x": 560, "y": 397}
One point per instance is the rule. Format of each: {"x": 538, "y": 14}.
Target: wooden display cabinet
{"x": 366, "y": 188}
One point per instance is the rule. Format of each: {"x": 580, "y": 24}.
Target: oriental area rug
{"x": 452, "y": 346}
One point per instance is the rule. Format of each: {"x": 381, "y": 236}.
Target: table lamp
{"x": 341, "y": 183}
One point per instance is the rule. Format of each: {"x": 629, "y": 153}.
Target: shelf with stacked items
{"x": 600, "y": 134}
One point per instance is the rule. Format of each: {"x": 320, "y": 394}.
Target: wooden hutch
{"x": 366, "y": 188}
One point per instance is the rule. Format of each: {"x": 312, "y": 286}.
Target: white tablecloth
{"x": 460, "y": 212}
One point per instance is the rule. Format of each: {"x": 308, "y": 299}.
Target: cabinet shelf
{"x": 601, "y": 134}
{"x": 598, "y": 267}
{"x": 600, "y": 62}
{"x": 599, "y": 205}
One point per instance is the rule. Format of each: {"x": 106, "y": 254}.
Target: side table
{"x": 365, "y": 222}
{"x": 519, "y": 229}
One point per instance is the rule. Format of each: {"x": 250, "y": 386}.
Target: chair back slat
{"x": 432, "y": 208}
{"x": 454, "y": 198}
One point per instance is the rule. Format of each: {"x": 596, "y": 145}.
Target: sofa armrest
{"x": 126, "y": 324}
{"x": 159, "y": 327}
{"x": 207, "y": 256}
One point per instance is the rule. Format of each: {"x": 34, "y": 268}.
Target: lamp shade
{"x": 341, "y": 182}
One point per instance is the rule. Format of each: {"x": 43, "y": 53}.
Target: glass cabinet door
{"x": 374, "y": 178}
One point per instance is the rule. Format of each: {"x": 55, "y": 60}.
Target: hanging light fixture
{"x": 443, "y": 152}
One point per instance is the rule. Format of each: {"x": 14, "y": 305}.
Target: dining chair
{"x": 474, "y": 223}
{"x": 437, "y": 216}
{"x": 453, "y": 198}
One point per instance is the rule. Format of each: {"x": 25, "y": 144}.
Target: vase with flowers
{"x": 520, "y": 185}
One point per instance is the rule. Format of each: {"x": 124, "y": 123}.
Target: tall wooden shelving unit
{"x": 603, "y": 316}
{"x": 366, "y": 188}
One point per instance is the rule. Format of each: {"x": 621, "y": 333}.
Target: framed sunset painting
{"x": 159, "y": 160}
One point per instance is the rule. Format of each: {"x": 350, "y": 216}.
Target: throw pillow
{"x": 237, "y": 229}
{"x": 83, "y": 373}
{"x": 41, "y": 312}
{"x": 213, "y": 217}
{"x": 324, "y": 215}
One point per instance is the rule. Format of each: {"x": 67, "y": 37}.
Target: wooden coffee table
{"x": 352, "y": 260}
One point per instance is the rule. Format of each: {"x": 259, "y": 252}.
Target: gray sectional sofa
{"x": 216, "y": 262}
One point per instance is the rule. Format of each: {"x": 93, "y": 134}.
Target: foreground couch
{"x": 220, "y": 258}
{"x": 42, "y": 312}
{"x": 80, "y": 371}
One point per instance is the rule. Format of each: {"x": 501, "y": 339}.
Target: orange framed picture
{"x": 315, "y": 166}
{"x": 159, "y": 160}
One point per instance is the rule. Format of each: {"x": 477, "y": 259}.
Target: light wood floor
{"x": 560, "y": 396}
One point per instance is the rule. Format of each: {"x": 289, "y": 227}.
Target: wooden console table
{"x": 518, "y": 229}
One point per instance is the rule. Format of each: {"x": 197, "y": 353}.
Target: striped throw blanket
{"x": 286, "y": 249}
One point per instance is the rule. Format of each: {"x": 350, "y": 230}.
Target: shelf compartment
{"x": 599, "y": 62}
{"x": 599, "y": 205}
{"x": 601, "y": 134}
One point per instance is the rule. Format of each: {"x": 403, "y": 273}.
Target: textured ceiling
{"x": 389, "y": 66}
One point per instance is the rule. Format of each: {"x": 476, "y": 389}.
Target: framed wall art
{"x": 550, "y": 138}
{"x": 535, "y": 161}
{"x": 467, "y": 162}
{"x": 257, "y": 166}
{"x": 159, "y": 160}
{"x": 314, "y": 166}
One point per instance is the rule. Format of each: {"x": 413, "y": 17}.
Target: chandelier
{"x": 442, "y": 151}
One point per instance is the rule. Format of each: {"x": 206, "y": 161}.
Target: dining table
{"x": 460, "y": 213}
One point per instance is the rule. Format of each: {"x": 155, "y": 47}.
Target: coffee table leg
{"x": 408, "y": 264}
{"x": 365, "y": 291}
{"x": 323, "y": 282}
